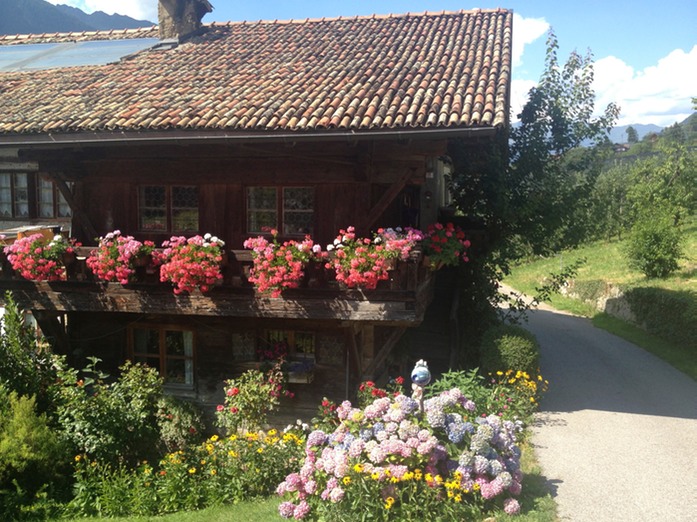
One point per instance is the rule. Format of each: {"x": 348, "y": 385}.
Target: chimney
{"x": 180, "y": 18}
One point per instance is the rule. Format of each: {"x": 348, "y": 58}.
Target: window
{"x": 169, "y": 349}
{"x": 14, "y": 195}
{"x": 25, "y": 196}
{"x": 290, "y": 210}
{"x": 51, "y": 202}
{"x": 300, "y": 344}
{"x": 168, "y": 208}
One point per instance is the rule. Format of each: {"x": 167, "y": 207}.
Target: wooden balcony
{"x": 401, "y": 300}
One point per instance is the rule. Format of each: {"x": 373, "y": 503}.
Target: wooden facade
{"x": 348, "y": 333}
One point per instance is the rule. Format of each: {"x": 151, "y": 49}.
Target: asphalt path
{"x": 616, "y": 435}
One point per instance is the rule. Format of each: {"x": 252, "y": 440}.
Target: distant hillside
{"x": 38, "y": 16}
{"x": 619, "y": 134}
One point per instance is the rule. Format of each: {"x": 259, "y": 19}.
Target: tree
{"x": 529, "y": 190}
{"x": 632, "y": 136}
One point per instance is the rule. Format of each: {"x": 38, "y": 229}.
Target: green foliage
{"x": 179, "y": 423}
{"x": 654, "y": 245}
{"x": 217, "y": 471}
{"x": 111, "y": 422}
{"x": 26, "y": 365}
{"x": 250, "y": 398}
{"x": 31, "y": 455}
{"x": 668, "y": 314}
{"x": 507, "y": 347}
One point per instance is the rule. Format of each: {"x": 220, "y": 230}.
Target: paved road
{"x": 616, "y": 436}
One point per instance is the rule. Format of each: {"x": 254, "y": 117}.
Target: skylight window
{"x": 31, "y": 57}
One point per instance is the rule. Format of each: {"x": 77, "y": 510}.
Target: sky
{"x": 645, "y": 53}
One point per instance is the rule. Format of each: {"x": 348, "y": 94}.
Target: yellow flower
{"x": 214, "y": 438}
{"x": 375, "y": 475}
{"x": 457, "y": 498}
{"x": 78, "y": 458}
{"x": 192, "y": 471}
{"x": 347, "y": 480}
{"x": 499, "y": 372}
{"x": 260, "y": 450}
{"x": 358, "y": 468}
{"x": 213, "y": 472}
{"x": 273, "y": 432}
{"x": 389, "y": 501}
{"x": 233, "y": 454}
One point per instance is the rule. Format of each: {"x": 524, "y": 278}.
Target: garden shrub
{"x": 26, "y": 365}
{"x": 654, "y": 245}
{"x": 391, "y": 462}
{"x": 508, "y": 347}
{"x": 511, "y": 395}
{"x": 250, "y": 398}
{"x": 669, "y": 314}
{"x": 216, "y": 471}
{"x": 111, "y": 422}
{"x": 31, "y": 455}
{"x": 179, "y": 423}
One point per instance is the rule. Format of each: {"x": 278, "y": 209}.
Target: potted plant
{"x": 278, "y": 266}
{"x": 444, "y": 245}
{"x": 37, "y": 259}
{"x": 359, "y": 262}
{"x": 191, "y": 263}
{"x": 116, "y": 257}
{"x": 400, "y": 242}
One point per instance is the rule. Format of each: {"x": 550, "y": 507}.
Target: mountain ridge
{"x": 39, "y": 17}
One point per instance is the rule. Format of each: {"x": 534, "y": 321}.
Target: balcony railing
{"x": 401, "y": 299}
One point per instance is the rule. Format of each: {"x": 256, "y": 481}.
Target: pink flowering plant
{"x": 278, "y": 266}
{"x": 37, "y": 259}
{"x": 396, "y": 463}
{"x": 445, "y": 245}
{"x": 191, "y": 263}
{"x": 359, "y": 262}
{"x": 115, "y": 256}
{"x": 399, "y": 242}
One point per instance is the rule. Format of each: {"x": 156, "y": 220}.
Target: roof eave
{"x": 115, "y": 138}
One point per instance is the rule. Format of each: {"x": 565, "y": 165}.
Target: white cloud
{"x": 519, "y": 96}
{"x": 526, "y": 31}
{"x": 658, "y": 94}
{"x": 138, "y": 9}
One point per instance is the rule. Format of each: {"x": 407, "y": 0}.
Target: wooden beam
{"x": 78, "y": 213}
{"x": 386, "y": 307}
{"x": 387, "y": 198}
{"x": 382, "y": 354}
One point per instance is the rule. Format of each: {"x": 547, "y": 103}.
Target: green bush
{"x": 31, "y": 455}
{"x": 507, "y": 347}
{"x": 654, "y": 246}
{"x": 668, "y": 314}
{"x": 111, "y": 422}
{"x": 26, "y": 364}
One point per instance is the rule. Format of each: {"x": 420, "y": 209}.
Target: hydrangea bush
{"x": 397, "y": 463}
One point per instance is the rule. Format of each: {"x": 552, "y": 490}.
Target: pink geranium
{"x": 359, "y": 262}
{"x": 278, "y": 266}
{"x": 191, "y": 263}
{"x": 37, "y": 259}
{"x": 113, "y": 259}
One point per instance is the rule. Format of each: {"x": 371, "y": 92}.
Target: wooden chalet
{"x": 310, "y": 125}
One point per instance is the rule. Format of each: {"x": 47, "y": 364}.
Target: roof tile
{"x": 362, "y": 73}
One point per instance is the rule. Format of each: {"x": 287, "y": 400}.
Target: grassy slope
{"x": 605, "y": 262}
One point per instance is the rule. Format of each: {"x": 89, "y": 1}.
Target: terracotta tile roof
{"x": 445, "y": 70}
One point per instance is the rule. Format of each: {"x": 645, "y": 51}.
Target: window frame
{"x": 280, "y": 209}
{"x": 169, "y": 209}
{"x": 35, "y": 183}
{"x": 162, "y": 357}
